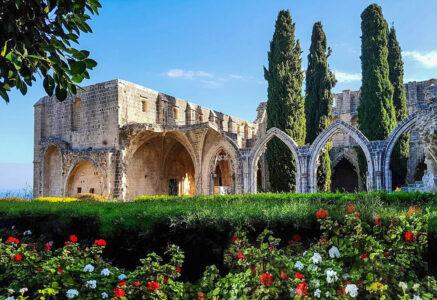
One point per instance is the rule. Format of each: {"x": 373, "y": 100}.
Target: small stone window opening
{"x": 144, "y": 106}
{"x": 175, "y": 113}
{"x": 91, "y": 190}
{"x": 79, "y": 190}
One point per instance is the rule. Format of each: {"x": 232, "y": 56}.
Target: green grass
{"x": 235, "y": 210}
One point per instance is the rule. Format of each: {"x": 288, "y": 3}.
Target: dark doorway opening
{"x": 344, "y": 177}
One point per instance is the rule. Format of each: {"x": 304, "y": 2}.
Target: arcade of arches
{"x": 205, "y": 161}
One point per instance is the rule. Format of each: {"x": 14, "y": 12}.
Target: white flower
{"x": 91, "y": 284}
{"x": 10, "y": 298}
{"x": 315, "y": 283}
{"x": 317, "y": 293}
{"x": 23, "y": 290}
{"x": 416, "y": 286}
{"x": 417, "y": 297}
{"x": 328, "y": 295}
{"x": 352, "y": 290}
{"x": 317, "y": 258}
{"x": 331, "y": 275}
{"x": 403, "y": 285}
{"x": 27, "y": 232}
{"x": 333, "y": 252}
{"x": 299, "y": 265}
{"x": 72, "y": 293}
{"x": 345, "y": 276}
{"x": 105, "y": 272}
{"x": 122, "y": 277}
{"x": 88, "y": 268}
{"x": 304, "y": 253}
{"x": 105, "y": 295}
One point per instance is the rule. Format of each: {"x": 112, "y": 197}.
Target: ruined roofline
{"x": 121, "y": 81}
{"x": 432, "y": 80}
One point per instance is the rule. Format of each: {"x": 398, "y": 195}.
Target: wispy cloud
{"x": 346, "y": 77}
{"x": 427, "y": 59}
{"x": 208, "y": 80}
{"x": 187, "y": 74}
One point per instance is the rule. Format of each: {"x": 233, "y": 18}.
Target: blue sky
{"x": 212, "y": 53}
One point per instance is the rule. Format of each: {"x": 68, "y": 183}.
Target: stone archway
{"x": 52, "y": 172}
{"x": 259, "y": 149}
{"x": 222, "y": 173}
{"x": 84, "y": 178}
{"x": 161, "y": 165}
{"x": 321, "y": 141}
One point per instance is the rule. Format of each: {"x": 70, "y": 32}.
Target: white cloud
{"x": 428, "y": 59}
{"x": 208, "y": 80}
{"x": 187, "y": 74}
{"x": 347, "y": 77}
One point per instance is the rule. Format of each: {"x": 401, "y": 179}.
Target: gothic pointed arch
{"x": 259, "y": 149}
{"x": 323, "y": 138}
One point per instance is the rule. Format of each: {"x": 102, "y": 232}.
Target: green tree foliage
{"x": 285, "y": 105}
{"x": 396, "y": 75}
{"x": 36, "y": 38}
{"x": 318, "y": 100}
{"x": 376, "y": 114}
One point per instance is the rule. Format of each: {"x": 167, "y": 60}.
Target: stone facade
{"x": 123, "y": 140}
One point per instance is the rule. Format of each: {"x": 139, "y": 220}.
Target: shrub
{"x": 91, "y": 197}
{"x": 13, "y": 199}
{"x": 56, "y": 199}
{"x": 351, "y": 259}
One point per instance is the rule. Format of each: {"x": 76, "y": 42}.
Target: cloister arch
{"x": 160, "y": 164}
{"x": 84, "y": 177}
{"x": 259, "y": 149}
{"x": 321, "y": 141}
{"x": 404, "y": 126}
{"x": 52, "y": 170}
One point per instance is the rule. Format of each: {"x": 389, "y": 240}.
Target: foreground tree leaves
{"x": 36, "y": 38}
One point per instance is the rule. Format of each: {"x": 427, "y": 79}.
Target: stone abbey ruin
{"x": 123, "y": 140}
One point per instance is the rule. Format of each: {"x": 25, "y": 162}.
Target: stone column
{"x": 248, "y": 185}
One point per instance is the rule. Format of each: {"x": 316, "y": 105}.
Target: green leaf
{"x": 78, "y": 67}
{"x": 60, "y": 93}
{"x": 90, "y": 63}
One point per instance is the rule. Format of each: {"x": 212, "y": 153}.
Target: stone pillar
{"x": 248, "y": 185}
{"x": 303, "y": 185}
{"x": 375, "y": 180}
{"x": 120, "y": 180}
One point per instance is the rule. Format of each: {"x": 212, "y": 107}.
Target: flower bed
{"x": 351, "y": 259}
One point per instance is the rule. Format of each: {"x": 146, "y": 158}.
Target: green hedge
{"x": 236, "y": 210}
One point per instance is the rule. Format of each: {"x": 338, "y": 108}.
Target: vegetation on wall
{"x": 319, "y": 99}
{"x": 396, "y": 74}
{"x": 376, "y": 114}
{"x": 285, "y": 104}
{"x": 37, "y": 37}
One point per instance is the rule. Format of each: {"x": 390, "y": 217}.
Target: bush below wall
{"x": 201, "y": 226}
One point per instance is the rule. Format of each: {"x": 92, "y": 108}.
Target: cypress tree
{"x": 285, "y": 104}
{"x": 396, "y": 75}
{"x": 376, "y": 114}
{"x": 319, "y": 99}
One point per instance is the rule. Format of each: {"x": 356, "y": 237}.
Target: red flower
{"x": 121, "y": 283}
{"x": 235, "y": 238}
{"x": 350, "y": 208}
{"x": 341, "y": 291}
{"x": 302, "y": 289}
{"x": 377, "y": 220}
{"x": 296, "y": 237}
{"x": 178, "y": 269}
{"x": 60, "y": 270}
{"x": 136, "y": 283}
{"x": 254, "y": 269}
{"x": 239, "y": 255}
{"x": 364, "y": 256}
{"x": 165, "y": 279}
{"x": 266, "y": 279}
{"x": 322, "y": 213}
{"x": 386, "y": 254}
{"x": 119, "y": 293}
{"x": 47, "y": 246}
{"x": 152, "y": 286}
{"x": 100, "y": 243}
{"x": 409, "y": 236}
{"x": 73, "y": 238}
{"x": 284, "y": 275}
{"x": 299, "y": 275}
{"x": 18, "y": 257}
{"x": 12, "y": 240}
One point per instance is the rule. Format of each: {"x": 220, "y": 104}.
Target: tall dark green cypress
{"x": 396, "y": 75}
{"x": 285, "y": 104}
{"x": 318, "y": 100}
{"x": 376, "y": 114}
